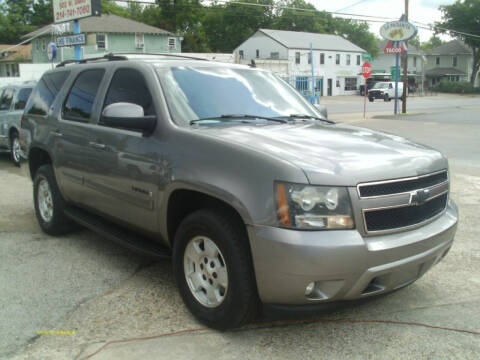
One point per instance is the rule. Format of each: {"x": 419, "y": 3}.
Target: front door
{"x": 329, "y": 87}
{"x": 125, "y": 184}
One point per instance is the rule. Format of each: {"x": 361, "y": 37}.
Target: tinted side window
{"x": 22, "y": 98}
{"x": 6, "y": 99}
{"x": 45, "y": 93}
{"x": 79, "y": 104}
{"x": 81, "y": 97}
{"x": 128, "y": 85}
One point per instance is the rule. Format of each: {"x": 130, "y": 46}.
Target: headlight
{"x": 313, "y": 207}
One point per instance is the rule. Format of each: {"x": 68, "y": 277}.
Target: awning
{"x": 436, "y": 72}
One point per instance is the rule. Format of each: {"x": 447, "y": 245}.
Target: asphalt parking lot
{"x": 97, "y": 292}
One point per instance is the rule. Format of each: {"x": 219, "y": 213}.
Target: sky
{"x": 424, "y": 11}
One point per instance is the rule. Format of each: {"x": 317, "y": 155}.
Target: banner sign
{"x": 71, "y": 40}
{"x": 66, "y": 10}
{"x": 394, "y": 47}
{"x": 398, "y": 30}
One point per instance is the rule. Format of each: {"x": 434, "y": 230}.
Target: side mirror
{"x": 128, "y": 116}
{"x": 323, "y": 110}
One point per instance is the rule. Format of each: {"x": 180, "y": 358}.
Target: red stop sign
{"x": 366, "y": 69}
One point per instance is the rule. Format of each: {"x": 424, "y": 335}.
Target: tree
{"x": 358, "y": 33}
{"x": 228, "y": 25}
{"x": 301, "y": 20}
{"x": 464, "y": 16}
{"x": 42, "y": 12}
{"x": 432, "y": 43}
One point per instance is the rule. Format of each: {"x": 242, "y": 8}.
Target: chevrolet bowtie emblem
{"x": 418, "y": 197}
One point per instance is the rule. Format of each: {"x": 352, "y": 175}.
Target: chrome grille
{"x": 390, "y": 187}
{"x": 393, "y": 205}
{"x": 400, "y": 217}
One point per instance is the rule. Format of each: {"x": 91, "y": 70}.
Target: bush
{"x": 457, "y": 87}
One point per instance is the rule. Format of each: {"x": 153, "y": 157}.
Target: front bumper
{"x": 343, "y": 264}
{"x": 376, "y": 94}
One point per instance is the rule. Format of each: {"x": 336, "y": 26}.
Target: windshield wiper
{"x": 305, "y": 116}
{"x": 239, "y": 116}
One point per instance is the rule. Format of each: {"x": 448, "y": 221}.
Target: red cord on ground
{"x": 283, "y": 323}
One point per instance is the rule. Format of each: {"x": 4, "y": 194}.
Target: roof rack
{"x": 159, "y": 55}
{"x": 108, "y": 57}
{"x": 124, "y": 56}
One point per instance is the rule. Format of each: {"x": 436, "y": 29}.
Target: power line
{"x": 355, "y": 17}
{"x": 352, "y": 5}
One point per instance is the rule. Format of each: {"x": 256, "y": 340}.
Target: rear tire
{"x": 212, "y": 239}
{"x": 49, "y": 203}
{"x": 371, "y": 99}
{"x": 15, "y": 149}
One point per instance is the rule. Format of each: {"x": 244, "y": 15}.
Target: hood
{"x": 336, "y": 154}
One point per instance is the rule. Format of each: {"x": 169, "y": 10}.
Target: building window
{"x": 301, "y": 83}
{"x": 172, "y": 44}
{"x": 240, "y": 54}
{"x": 348, "y": 59}
{"x": 338, "y": 83}
{"x": 310, "y": 58}
{"x": 101, "y": 41}
{"x": 44, "y": 45}
{"x": 322, "y": 58}
{"x": 358, "y": 59}
{"x": 337, "y": 60}
{"x": 454, "y": 63}
{"x": 139, "y": 40}
{"x": 257, "y": 53}
{"x": 274, "y": 55}
{"x": 297, "y": 58}
{"x": 437, "y": 60}
{"x": 350, "y": 84}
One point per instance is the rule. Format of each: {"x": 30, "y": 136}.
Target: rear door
{"x": 77, "y": 159}
{"x": 125, "y": 183}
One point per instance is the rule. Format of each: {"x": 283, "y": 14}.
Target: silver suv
{"x": 231, "y": 172}
{"x": 12, "y": 102}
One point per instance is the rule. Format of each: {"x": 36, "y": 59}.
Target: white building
{"x": 336, "y": 61}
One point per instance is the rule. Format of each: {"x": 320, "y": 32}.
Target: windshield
{"x": 380, "y": 85}
{"x": 194, "y": 93}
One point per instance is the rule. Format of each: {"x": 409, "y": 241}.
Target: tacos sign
{"x": 398, "y": 30}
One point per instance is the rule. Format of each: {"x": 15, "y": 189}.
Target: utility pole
{"x": 405, "y": 68}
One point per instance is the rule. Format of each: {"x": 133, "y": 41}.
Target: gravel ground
{"x": 85, "y": 284}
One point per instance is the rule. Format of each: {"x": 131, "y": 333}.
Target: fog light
{"x": 309, "y": 289}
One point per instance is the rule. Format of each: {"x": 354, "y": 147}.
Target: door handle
{"x": 57, "y": 133}
{"x": 98, "y": 146}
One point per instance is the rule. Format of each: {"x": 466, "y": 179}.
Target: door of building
{"x": 329, "y": 87}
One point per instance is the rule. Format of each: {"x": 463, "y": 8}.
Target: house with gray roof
{"x": 336, "y": 61}
{"x": 105, "y": 34}
{"x": 383, "y": 65}
{"x": 451, "y": 61}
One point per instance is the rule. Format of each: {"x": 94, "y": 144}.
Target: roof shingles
{"x": 107, "y": 23}
{"x": 302, "y": 40}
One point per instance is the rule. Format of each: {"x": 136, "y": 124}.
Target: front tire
{"x": 15, "y": 149}
{"x": 213, "y": 269}
{"x": 49, "y": 204}
{"x": 371, "y": 99}
{"x": 386, "y": 97}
